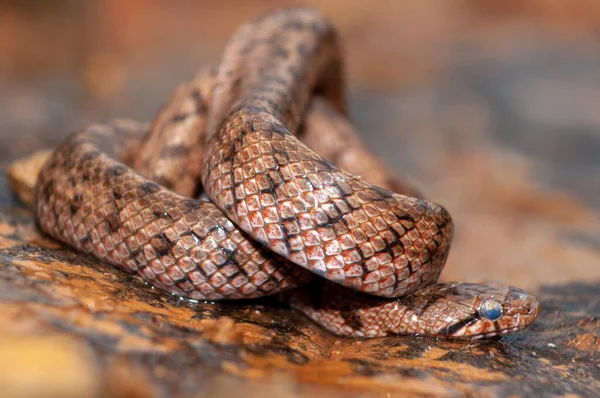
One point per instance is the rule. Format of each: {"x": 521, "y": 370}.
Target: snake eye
{"x": 491, "y": 309}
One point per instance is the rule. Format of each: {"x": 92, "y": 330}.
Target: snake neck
{"x": 272, "y": 67}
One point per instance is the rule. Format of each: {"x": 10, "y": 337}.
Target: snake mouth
{"x": 487, "y": 335}
{"x": 500, "y": 333}
{"x": 495, "y": 334}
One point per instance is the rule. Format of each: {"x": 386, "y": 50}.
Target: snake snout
{"x": 524, "y": 306}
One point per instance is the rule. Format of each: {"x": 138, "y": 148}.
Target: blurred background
{"x": 451, "y": 73}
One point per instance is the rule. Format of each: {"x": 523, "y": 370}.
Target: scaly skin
{"x": 284, "y": 197}
{"x": 446, "y": 310}
{"x": 86, "y": 198}
{"x": 291, "y": 199}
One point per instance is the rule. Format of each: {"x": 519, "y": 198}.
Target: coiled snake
{"x": 278, "y": 213}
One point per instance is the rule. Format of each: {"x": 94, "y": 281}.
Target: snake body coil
{"x": 278, "y": 210}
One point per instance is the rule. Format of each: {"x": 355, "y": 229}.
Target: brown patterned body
{"x": 187, "y": 247}
{"x": 171, "y": 154}
{"x": 290, "y": 198}
{"x": 278, "y": 204}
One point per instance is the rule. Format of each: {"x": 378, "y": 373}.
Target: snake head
{"x": 488, "y": 309}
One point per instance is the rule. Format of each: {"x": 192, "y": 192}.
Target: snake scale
{"x": 270, "y": 214}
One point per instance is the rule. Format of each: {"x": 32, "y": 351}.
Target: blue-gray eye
{"x": 491, "y": 309}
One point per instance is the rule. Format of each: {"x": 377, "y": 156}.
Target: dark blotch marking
{"x": 160, "y": 213}
{"x": 86, "y": 175}
{"x": 117, "y": 171}
{"x": 161, "y": 244}
{"x": 351, "y": 317}
{"x": 200, "y": 239}
{"x": 197, "y": 95}
{"x": 47, "y": 189}
{"x": 231, "y": 254}
{"x": 201, "y": 105}
{"x": 293, "y": 25}
{"x": 327, "y": 165}
{"x": 278, "y": 128}
{"x": 117, "y": 192}
{"x": 86, "y": 239}
{"x": 193, "y": 204}
{"x": 180, "y": 117}
{"x": 113, "y": 222}
{"x": 405, "y": 217}
{"x": 251, "y": 110}
{"x": 135, "y": 253}
{"x": 451, "y": 329}
{"x": 150, "y": 187}
{"x": 90, "y": 155}
{"x": 281, "y": 157}
{"x": 75, "y": 204}
{"x": 271, "y": 188}
{"x": 384, "y": 193}
{"x": 442, "y": 225}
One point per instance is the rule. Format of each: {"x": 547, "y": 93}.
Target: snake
{"x": 221, "y": 198}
